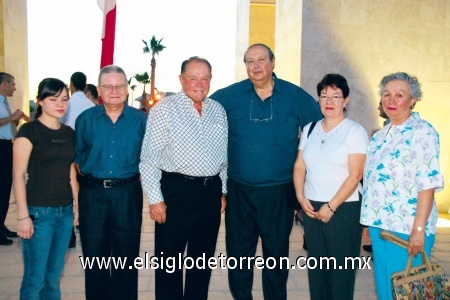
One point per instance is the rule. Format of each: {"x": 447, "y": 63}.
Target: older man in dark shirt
{"x": 264, "y": 117}
{"x": 108, "y": 144}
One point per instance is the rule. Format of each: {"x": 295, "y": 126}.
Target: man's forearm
{"x": 26, "y": 118}
{"x": 4, "y": 121}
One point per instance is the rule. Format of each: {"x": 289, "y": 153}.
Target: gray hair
{"x": 111, "y": 69}
{"x": 195, "y": 58}
{"x": 414, "y": 85}
{"x": 6, "y": 77}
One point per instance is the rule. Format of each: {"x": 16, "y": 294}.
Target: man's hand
{"x": 15, "y": 116}
{"x": 224, "y": 203}
{"x": 26, "y": 118}
{"x": 158, "y": 212}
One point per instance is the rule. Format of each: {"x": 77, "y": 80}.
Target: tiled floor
{"x": 72, "y": 282}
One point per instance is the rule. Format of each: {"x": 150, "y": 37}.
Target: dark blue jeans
{"x": 43, "y": 254}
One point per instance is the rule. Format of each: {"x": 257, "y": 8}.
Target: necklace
{"x": 327, "y": 136}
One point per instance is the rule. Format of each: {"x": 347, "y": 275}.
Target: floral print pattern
{"x": 401, "y": 161}
{"x": 420, "y": 284}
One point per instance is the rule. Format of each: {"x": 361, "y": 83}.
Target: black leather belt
{"x": 106, "y": 183}
{"x": 193, "y": 179}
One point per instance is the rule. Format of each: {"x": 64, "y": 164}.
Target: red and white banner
{"x": 109, "y": 31}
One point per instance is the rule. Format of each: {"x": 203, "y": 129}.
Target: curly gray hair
{"x": 414, "y": 85}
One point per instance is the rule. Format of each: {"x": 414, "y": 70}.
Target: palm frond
{"x": 142, "y": 78}
{"x": 146, "y": 49}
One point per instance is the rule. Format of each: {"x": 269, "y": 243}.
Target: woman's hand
{"x": 75, "y": 214}
{"x": 324, "y": 214}
{"x": 366, "y": 235}
{"x": 25, "y": 228}
{"x": 416, "y": 242}
{"x": 307, "y": 207}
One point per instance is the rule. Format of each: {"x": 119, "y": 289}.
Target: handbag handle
{"x": 425, "y": 262}
{"x": 388, "y": 236}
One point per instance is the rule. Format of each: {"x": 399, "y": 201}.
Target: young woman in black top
{"x": 47, "y": 200}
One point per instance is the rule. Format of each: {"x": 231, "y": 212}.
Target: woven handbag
{"x": 427, "y": 281}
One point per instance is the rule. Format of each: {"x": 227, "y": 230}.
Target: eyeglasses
{"x": 110, "y": 88}
{"x": 334, "y": 98}
{"x": 260, "y": 119}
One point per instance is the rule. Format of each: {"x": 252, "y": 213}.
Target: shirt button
{"x": 113, "y": 142}
{"x": 110, "y": 156}
{"x": 110, "y": 172}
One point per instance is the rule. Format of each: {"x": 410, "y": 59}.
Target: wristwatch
{"x": 419, "y": 228}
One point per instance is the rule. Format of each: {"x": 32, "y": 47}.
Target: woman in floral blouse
{"x": 401, "y": 175}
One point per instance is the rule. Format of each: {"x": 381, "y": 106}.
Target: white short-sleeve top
{"x": 326, "y": 158}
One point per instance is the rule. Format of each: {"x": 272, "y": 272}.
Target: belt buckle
{"x": 105, "y": 182}
{"x": 208, "y": 180}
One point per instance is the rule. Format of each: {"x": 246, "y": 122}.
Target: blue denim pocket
{"x": 37, "y": 213}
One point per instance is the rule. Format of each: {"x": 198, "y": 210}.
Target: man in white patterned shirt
{"x": 183, "y": 167}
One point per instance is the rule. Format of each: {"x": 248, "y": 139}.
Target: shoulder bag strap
{"x": 313, "y": 124}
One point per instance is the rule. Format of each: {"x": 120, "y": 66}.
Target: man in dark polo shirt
{"x": 108, "y": 141}
{"x": 264, "y": 117}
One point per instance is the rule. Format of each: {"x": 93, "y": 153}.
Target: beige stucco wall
{"x": 365, "y": 40}
{"x": 13, "y": 48}
{"x": 288, "y": 38}
{"x": 242, "y": 36}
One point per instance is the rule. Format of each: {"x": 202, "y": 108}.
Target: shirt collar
{"x": 412, "y": 118}
{"x": 102, "y": 111}
{"x": 188, "y": 101}
{"x": 276, "y": 85}
{"x": 409, "y": 122}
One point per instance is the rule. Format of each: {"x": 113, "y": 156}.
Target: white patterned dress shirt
{"x": 178, "y": 139}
